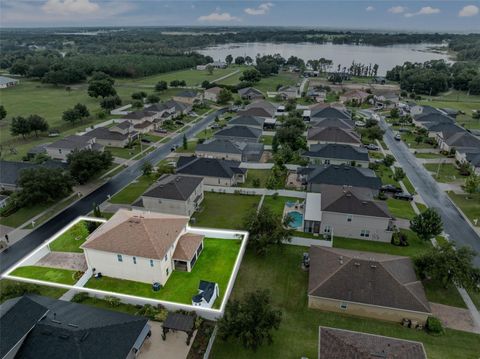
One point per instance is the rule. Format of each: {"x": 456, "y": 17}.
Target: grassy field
{"x": 279, "y": 272}
{"x": 55, "y": 275}
{"x": 270, "y": 83}
{"x": 71, "y": 240}
{"x": 11, "y": 288}
{"x": 253, "y": 174}
{"x": 277, "y": 204}
{"x": 469, "y": 204}
{"x": 133, "y": 190}
{"x": 415, "y": 245}
{"x": 400, "y": 208}
{"x": 447, "y": 172}
{"x": 214, "y": 264}
{"x": 220, "y": 210}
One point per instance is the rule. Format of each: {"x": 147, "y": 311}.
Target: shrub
{"x": 434, "y": 326}
{"x": 80, "y": 297}
{"x": 148, "y": 311}
{"x": 77, "y": 275}
{"x": 161, "y": 315}
{"x": 112, "y": 301}
{"x": 17, "y": 289}
{"x": 399, "y": 239}
{"x": 256, "y": 182}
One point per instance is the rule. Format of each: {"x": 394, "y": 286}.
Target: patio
{"x": 64, "y": 260}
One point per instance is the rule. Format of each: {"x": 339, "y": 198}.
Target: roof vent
{"x": 85, "y": 336}
{"x": 356, "y": 264}
{"x": 373, "y": 266}
{"x": 72, "y": 325}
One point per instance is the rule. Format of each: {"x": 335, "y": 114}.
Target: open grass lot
{"x": 71, "y": 240}
{"x": 11, "y": 288}
{"x": 429, "y": 155}
{"x": 438, "y": 294}
{"x": 231, "y": 80}
{"x": 253, "y": 174}
{"x": 469, "y": 204}
{"x": 386, "y": 175}
{"x": 277, "y": 203}
{"x": 415, "y": 245}
{"x": 447, "y": 172}
{"x": 133, "y": 190}
{"x": 55, "y": 275}
{"x": 279, "y": 272}
{"x": 214, "y": 264}
{"x": 220, "y": 210}
{"x": 270, "y": 83}
{"x": 400, "y": 208}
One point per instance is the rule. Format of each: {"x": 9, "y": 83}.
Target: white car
{"x": 359, "y": 123}
{"x": 398, "y": 137}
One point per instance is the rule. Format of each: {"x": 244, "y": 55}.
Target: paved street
{"x": 84, "y": 205}
{"x": 454, "y": 224}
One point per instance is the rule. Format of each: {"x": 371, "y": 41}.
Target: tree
{"x": 224, "y": 96}
{"x": 388, "y": 160}
{"x": 3, "y": 112}
{"x": 472, "y": 183}
{"x": 248, "y": 60}
{"x": 147, "y": 168}
{"x": 20, "y": 126}
{"x": 19, "y": 67}
{"x": 111, "y": 102}
{"x": 474, "y": 86}
{"x": 87, "y": 163}
{"x": 251, "y": 75}
{"x": 43, "y": 185}
{"x": 275, "y": 143}
{"x": 37, "y": 124}
{"x": 82, "y": 111}
{"x": 210, "y": 69}
{"x": 152, "y": 98}
{"x": 394, "y": 113}
{"x": 71, "y": 115}
{"x": 101, "y": 88}
{"x": 399, "y": 174}
{"x": 427, "y": 224}
{"x": 161, "y": 86}
{"x": 448, "y": 266}
{"x": 139, "y": 95}
{"x": 229, "y": 59}
{"x": 239, "y": 60}
{"x": 266, "y": 228}
{"x": 250, "y": 320}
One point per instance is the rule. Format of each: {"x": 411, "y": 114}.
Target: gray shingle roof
{"x": 333, "y": 122}
{"x": 339, "y": 343}
{"x": 179, "y": 106}
{"x": 174, "y": 187}
{"x": 239, "y": 131}
{"x": 76, "y": 331}
{"x": 350, "y": 202}
{"x": 330, "y": 112}
{"x": 333, "y": 134}
{"x": 159, "y": 107}
{"x": 219, "y": 146}
{"x": 71, "y": 142}
{"x": 187, "y": 93}
{"x": 105, "y": 134}
{"x": 138, "y": 115}
{"x": 342, "y": 175}
{"x": 365, "y": 277}
{"x": 209, "y": 167}
{"x": 248, "y": 91}
{"x": 434, "y": 117}
{"x": 247, "y": 121}
{"x": 463, "y": 139}
{"x": 338, "y": 151}
{"x": 10, "y": 170}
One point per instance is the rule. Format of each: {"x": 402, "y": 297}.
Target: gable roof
{"x": 259, "y": 108}
{"x": 208, "y": 167}
{"x": 187, "y": 246}
{"x": 215, "y": 90}
{"x": 179, "y": 106}
{"x": 330, "y": 112}
{"x": 247, "y": 121}
{"x": 159, "y": 107}
{"x": 71, "y": 330}
{"x": 337, "y": 343}
{"x": 137, "y": 233}
{"x": 333, "y": 134}
{"x": 219, "y": 145}
{"x": 71, "y": 142}
{"x": 333, "y": 122}
{"x": 339, "y": 151}
{"x": 434, "y": 117}
{"x": 187, "y": 93}
{"x": 342, "y": 175}
{"x": 239, "y": 131}
{"x": 349, "y": 201}
{"x": 365, "y": 277}
{"x": 445, "y": 128}
{"x": 10, "y": 170}
{"x": 249, "y": 90}
{"x": 463, "y": 139}
{"x": 138, "y": 115}
{"x": 103, "y": 133}
{"x": 174, "y": 187}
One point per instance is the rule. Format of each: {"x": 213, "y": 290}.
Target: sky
{"x": 420, "y": 15}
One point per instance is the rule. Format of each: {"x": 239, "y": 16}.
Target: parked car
{"x": 404, "y": 196}
{"x": 173, "y": 148}
{"x": 359, "y": 123}
{"x": 372, "y": 147}
{"x": 161, "y": 130}
{"x": 390, "y": 188}
{"x": 146, "y": 140}
{"x": 398, "y": 137}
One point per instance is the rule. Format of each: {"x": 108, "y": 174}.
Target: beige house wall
{"x": 365, "y": 310}
{"x": 220, "y": 155}
{"x": 112, "y": 143}
{"x": 315, "y": 142}
{"x": 335, "y": 161}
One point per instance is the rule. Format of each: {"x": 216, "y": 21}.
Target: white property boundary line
{"x": 209, "y": 313}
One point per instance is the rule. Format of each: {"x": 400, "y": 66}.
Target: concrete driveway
{"x": 172, "y": 348}
{"x": 453, "y": 317}
{"x": 455, "y": 225}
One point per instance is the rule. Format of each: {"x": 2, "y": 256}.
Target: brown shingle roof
{"x": 137, "y": 233}
{"x": 333, "y": 134}
{"x": 339, "y": 343}
{"x": 364, "y": 277}
{"x": 187, "y": 246}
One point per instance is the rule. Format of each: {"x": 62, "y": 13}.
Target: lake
{"x": 385, "y": 56}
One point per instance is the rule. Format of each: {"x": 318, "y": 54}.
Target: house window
{"x": 119, "y": 258}
{"x": 349, "y": 218}
{"x": 166, "y": 257}
{"x": 134, "y": 260}
{"x": 327, "y": 162}
{"x": 365, "y": 233}
{"x": 327, "y": 229}
{"x": 151, "y": 262}
{"x": 167, "y": 271}
{"x": 343, "y": 305}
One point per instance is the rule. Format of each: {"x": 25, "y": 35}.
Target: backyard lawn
{"x": 220, "y": 210}
{"x": 55, "y": 275}
{"x": 400, "y": 208}
{"x": 469, "y": 204}
{"x": 277, "y": 203}
{"x": 11, "y": 288}
{"x": 386, "y": 175}
{"x": 447, "y": 172}
{"x": 214, "y": 264}
{"x": 133, "y": 190}
{"x": 266, "y": 140}
{"x": 261, "y": 175}
{"x": 280, "y": 273}
{"x": 71, "y": 240}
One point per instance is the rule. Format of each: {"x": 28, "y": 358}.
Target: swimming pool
{"x": 297, "y": 219}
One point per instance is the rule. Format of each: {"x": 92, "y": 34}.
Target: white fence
{"x": 255, "y": 191}
{"x": 307, "y": 242}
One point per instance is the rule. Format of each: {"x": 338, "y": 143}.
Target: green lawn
{"x": 409, "y": 185}
{"x": 409, "y": 139}
{"x": 475, "y": 296}
{"x": 266, "y": 140}
{"x": 277, "y": 204}
{"x": 429, "y": 155}
{"x": 23, "y": 215}
{"x": 133, "y": 190}
{"x": 400, "y": 208}
{"x": 55, "y": 275}
{"x": 421, "y": 207}
{"x": 191, "y": 145}
{"x": 447, "y": 172}
{"x": 386, "y": 175}
{"x": 103, "y": 304}
{"x": 205, "y": 134}
{"x": 438, "y": 294}
{"x": 469, "y": 204}
{"x": 214, "y": 264}
{"x": 252, "y": 174}
{"x": 124, "y": 152}
{"x": 220, "y": 210}
{"x": 270, "y": 83}
{"x": 71, "y": 240}
{"x": 415, "y": 245}
{"x": 11, "y": 289}
{"x": 231, "y": 80}
{"x": 280, "y": 273}
{"x": 376, "y": 155}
